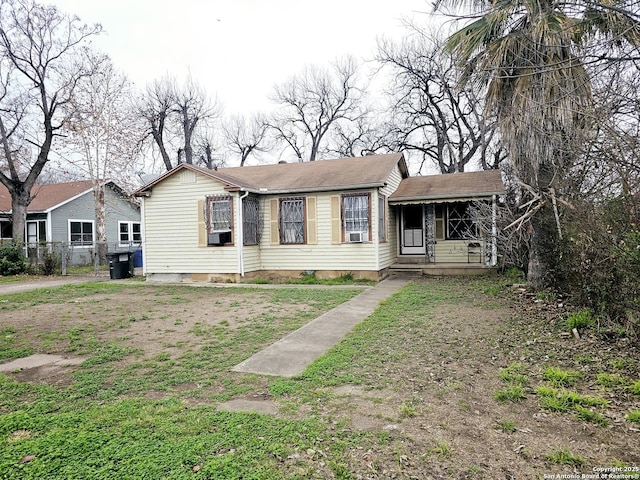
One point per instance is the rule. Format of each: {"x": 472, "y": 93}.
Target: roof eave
{"x": 444, "y": 197}
{"x": 145, "y": 190}
{"x": 333, "y": 188}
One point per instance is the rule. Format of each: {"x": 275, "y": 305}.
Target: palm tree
{"x": 533, "y": 58}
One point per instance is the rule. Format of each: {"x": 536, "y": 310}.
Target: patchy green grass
{"x": 564, "y": 457}
{"x": 510, "y": 393}
{"x": 506, "y": 426}
{"x": 610, "y": 380}
{"x": 11, "y": 346}
{"x": 559, "y": 377}
{"x": 415, "y": 369}
{"x": 580, "y": 320}
{"x": 515, "y": 374}
{"x": 634, "y": 416}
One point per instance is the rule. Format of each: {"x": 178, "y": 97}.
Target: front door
{"x": 412, "y": 230}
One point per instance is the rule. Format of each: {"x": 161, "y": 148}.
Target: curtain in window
{"x": 356, "y": 213}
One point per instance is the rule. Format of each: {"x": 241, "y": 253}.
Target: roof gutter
{"x": 241, "y": 234}
{"x": 444, "y": 197}
{"x": 333, "y": 188}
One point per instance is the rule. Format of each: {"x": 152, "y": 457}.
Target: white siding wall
{"x": 171, "y": 228}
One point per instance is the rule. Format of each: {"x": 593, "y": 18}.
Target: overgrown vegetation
{"x": 12, "y": 261}
{"x": 601, "y": 262}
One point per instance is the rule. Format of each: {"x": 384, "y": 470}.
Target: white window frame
{"x": 83, "y": 244}
{"x": 5, "y": 226}
{"x": 41, "y": 228}
{"x": 130, "y": 233}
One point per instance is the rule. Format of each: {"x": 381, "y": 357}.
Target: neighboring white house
{"x": 352, "y": 215}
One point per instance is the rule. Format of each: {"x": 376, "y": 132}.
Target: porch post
{"x": 494, "y": 231}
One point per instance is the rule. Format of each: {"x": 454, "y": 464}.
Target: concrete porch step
{"x": 441, "y": 269}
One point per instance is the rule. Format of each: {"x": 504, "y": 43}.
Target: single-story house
{"x": 64, "y": 214}
{"x": 360, "y": 215}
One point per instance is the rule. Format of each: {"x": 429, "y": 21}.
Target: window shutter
{"x": 273, "y": 222}
{"x": 202, "y": 225}
{"x": 336, "y": 230}
{"x": 312, "y": 224}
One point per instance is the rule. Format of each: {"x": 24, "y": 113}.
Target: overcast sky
{"x": 238, "y": 49}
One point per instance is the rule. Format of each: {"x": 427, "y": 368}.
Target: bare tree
{"x": 314, "y": 103}
{"x": 41, "y": 63}
{"x": 154, "y": 107}
{"x": 102, "y": 132}
{"x": 246, "y": 137}
{"x": 431, "y": 115}
{"x": 175, "y": 114}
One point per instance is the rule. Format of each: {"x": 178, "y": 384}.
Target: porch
{"x": 440, "y": 269}
{"x": 460, "y": 257}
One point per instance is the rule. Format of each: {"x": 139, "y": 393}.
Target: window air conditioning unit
{"x": 356, "y": 237}
{"x": 219, "y": 238}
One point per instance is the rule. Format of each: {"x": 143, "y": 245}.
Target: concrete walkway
{"x": 293, "y": 353}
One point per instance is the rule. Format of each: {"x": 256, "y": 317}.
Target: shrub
{"x": 12, "y": 261}
{"x": 50, "y": 263}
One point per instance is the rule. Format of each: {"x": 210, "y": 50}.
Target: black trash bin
{"x": 120, "y": 265}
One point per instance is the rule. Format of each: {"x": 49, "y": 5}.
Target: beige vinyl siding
{"x": 251, "y": 258}
{"x": 454, "y": 251}
{"x": 171, "y": 228}
{"x": 388, "y": 251}
{"x": 323, "y": 255}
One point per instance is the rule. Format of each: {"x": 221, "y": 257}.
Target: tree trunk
{"x": 19, "y": 204}
{"x": 101, "y": 230}
{"x": 544, "y": 253}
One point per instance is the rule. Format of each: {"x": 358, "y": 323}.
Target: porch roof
{"x": 454, "y": 186}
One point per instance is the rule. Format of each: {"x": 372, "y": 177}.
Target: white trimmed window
{"x": 129, "y": 233}
{"x": 81, "y": 233}
{"x": 6, "y": 229}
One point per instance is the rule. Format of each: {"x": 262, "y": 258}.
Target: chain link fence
{"x": 65, "y": 258}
